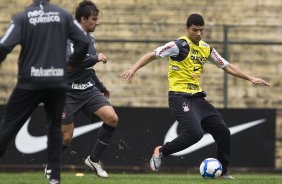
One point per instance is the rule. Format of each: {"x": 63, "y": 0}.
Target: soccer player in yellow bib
{"x": 187, "y": 56}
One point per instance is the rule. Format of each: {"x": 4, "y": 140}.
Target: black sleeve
{"x": 3, "y": 52}
{"x": 184, "y": 50}
{"x": 81, "y": 42}
{"x": 88, "y": 61}
{"x": 182, "y": 45}
{"x": 11, "y": 38}
{"x": 98, "y": 83}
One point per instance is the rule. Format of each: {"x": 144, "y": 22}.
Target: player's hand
{"x": 107, "y": 94}
{"x": 102, "y": 58}
{"x": 258, "y": 81}
{"x": 127, "y": 75}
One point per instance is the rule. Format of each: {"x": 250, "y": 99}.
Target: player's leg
{"x": 18, "y": 109}
{"x": 191, "y": 130}
{"x": 67, "y": 130}
{"x": 217, "y": 128}
{"x": 191, "y": 133}
{"x": 68, "y": 122}
{"x": 72, "y": 105}
{"x": 54, "y": 101}
{"x": 110, "y": 119}
{"x": 103, "y": 109}
{"x": 107, "y": 115}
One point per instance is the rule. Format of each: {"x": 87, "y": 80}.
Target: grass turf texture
{"x": 89, "y": 178}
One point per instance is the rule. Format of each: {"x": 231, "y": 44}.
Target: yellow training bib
{"x": 184, "y": 76}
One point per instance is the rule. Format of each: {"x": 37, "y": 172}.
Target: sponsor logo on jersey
{"x": 217, "y": 57}
{"x": 166, "y": 48}
{"x": 198, "y": 59}
{"x": 196, "y": 68}
{"x": 192, "y": 86}
{"x": 175, "y": 68}
{"x": 41, "y": 17}
{"x": 81, "y": 86}
{"x": 46, "y": 72}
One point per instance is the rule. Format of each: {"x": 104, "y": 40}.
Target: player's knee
{"x": 67, "y": 138}
{"x": 196, "y": 136}
{"x": 67, "y": 142}
{"x": 192, "y": 138}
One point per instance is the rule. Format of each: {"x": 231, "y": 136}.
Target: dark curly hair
{"x": 85, "y": 9}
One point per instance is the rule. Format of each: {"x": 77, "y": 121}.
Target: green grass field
{"x": 89, "y": 178}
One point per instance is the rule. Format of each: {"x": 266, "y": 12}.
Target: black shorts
{"x": 86, "y": 102}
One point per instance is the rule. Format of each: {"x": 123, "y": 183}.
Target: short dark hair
{"x": 195, "y": 19}
{"x": 85, "y": 9}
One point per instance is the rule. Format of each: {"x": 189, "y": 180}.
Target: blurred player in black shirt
{"x": 86, "y": 93}
{"x": 42, "y": 31}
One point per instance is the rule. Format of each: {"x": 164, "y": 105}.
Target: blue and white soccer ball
{"x": 210, "y": 168}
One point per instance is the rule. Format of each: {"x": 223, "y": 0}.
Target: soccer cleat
{"x": 96, "y": 167}
{"x": 227, "y": 177}
{"x": 47, "y": 172}
{"x": 156, "y": 159}
{"x": 54, "y": 181}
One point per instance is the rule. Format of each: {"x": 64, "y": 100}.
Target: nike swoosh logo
{"x": 29, "y": 144}
{"x": 196, "y": 69}
{"x": 207, "y": 138}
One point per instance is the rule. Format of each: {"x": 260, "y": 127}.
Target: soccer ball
{"x": 210, "y": 168}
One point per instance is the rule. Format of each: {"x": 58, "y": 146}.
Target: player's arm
{"x": 235, "y": 71}
{"x": 169, "y": 49}
{"x": 231, "y": 69}
{"x": 144, "y": 60}
{"x": 91, "y": 60}
{"x": 4, "y": 51}
{"x": 10, "y": 39}
{"x": 80, "y": 42}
